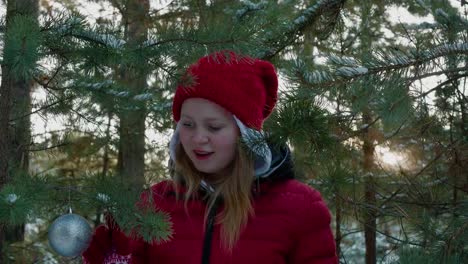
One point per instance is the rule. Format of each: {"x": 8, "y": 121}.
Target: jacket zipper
{"x": 207, "y": 242}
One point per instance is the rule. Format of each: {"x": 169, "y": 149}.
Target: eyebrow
{"x": 207, "y": 119}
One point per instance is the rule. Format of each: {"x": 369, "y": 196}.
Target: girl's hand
{"x": 108, "y": 245}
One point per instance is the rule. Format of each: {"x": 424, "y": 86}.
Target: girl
{"x": 230, "y": 200}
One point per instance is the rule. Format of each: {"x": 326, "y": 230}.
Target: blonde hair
{"x": 234, "y": 189}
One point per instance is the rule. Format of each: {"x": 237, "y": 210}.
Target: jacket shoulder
{"x": 314, "y": 240}
{"x": 295, "y": 188}
{"x": 157, "y": 191}
{"x": 304, "y": 201}
{"x": 162, "y": 186}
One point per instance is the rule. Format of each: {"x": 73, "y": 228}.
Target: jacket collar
{"x": 281, "y": 168}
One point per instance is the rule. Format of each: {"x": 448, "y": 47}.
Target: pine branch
{"x": 106, "y": 40}
{"x": 49, "y": 147}
{"x": 27, "y": 198}
{"x": 396, "y": 131}
{"x": 76, "y": 112}
{"x": 442, "y": 84}
{"x": 351, "y": 68}
{"x": 400, "y": 61}
{"x": 446, "y": 71}
{"x": 77, "y": 27}
{"x": 308, "y": 17}
{"x": 190, "y": 40}
{"x": 250, "y": 7}
{"x": 42, "y": 108}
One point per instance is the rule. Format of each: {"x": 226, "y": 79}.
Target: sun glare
{"x": 391, "y": 159}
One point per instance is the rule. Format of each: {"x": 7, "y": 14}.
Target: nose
{"x": 200, "y": 137}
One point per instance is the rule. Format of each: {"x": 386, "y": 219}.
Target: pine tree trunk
{"x": 20, "y": 138}
{"x": 5, "y": 109}
{"x": 105, "y": 158}
{"x": 132, "y": 146}
{"x": 15, "y": 124}
{"x": 454, "y": 166}
{"x": 5, "y": 105}
{"x": 370, "y": 214}
{"x": 131, "y": 163}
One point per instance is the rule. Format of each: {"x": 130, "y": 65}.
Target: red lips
{"x": 201, "y": 154}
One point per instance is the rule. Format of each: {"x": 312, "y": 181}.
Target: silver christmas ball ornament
{"x": 69, "y": 235}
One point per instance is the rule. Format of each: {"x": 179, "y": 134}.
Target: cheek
{"x": 227, "y": 142}
{"x": 184, "y": 138}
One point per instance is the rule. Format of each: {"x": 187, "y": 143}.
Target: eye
{"x": 214, "y": 128}
{"x": 187, "y": 124}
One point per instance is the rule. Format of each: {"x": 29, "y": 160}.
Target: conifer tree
{"x": 132, "y": 121}
{"x": 383, "y": 81}
{"x": 21, "y": 37}
{"x": 333, "y": 114}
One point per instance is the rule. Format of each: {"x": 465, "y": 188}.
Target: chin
{"x": 205, "y": 170}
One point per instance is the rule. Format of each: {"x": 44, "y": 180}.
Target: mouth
{"x": 202, "y": 155}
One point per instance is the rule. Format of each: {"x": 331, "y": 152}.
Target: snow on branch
{"x": 346, "y": 68}
{"x": 119, "y": 93}
{"x": 318, "y": 76}
{"x": 150, "y": 42}
{"x": 76, "y": 26}
{"x": 310, "y": 14}
{"x": 343, "y": 60}
{"x": 107, "y": 87}
{"x": 351, "y": 71}
{"x": 143, "y": 97}
{"x": 308, "y": 17}
{"x": 448, "y": 49}
{"x": 382, "y": 62}
{"x": 249, "y": 7}
{"x": 301, "y": 74}
{"x": 161, "y": 107}
{"x": 70, "y": 24}
{"x": 96, "y": 85}
{"x": 442, "y": 13}
{"x": 103, "y": 39}
{"x": 112, "y": 41}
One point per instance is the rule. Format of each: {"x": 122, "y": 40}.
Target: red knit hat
{"x": 244, "y": 86}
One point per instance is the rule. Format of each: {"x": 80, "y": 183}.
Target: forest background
{"x": 373, "y": 103}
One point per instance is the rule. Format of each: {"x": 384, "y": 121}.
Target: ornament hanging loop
{"x": 69, "y": 200}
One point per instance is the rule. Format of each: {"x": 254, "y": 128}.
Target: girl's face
{"x": 208, "y": 134}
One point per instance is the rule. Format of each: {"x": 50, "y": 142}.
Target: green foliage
{"x": 14, "y": 208}
{"x": 441, "y": 236}
{"x": 22, "y": 47}
{"x": 301, "y": 123}
{"x": 134, "y": 212}
{"x": 340, "y": 59}
{"x": 153, "y": 226}
{"x": 410, "y": 255}
{"x": 19, "y": 200}
{"x": 416, "y": 255}
{"x": 28, "y": 198}
{"x": 393, "y": 103}
{"x": 369, "y": 73}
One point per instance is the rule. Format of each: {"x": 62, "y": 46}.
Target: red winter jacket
{"x": 291, "y": 225}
